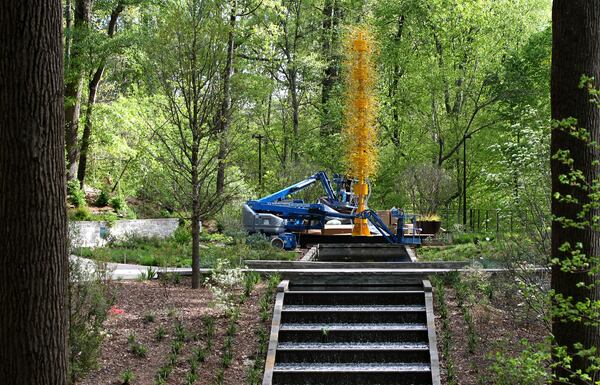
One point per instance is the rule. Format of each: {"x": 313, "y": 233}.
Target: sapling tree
{"x": 185, "y": 58}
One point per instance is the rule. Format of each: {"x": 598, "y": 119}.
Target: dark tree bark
{"x": 74, "y": 85}
{"x": 575, "y": 52}
{"x": 393, "y": 90}
{"x": 93, "y": 87}
{"x": 33, "y": 228}
{"x": 331, "y": 18}
{"x": 224, "y": 114}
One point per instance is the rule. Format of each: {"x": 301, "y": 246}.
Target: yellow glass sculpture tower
{"x": 360, "y": 129}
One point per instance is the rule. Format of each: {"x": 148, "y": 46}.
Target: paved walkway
{"x": 124, "y": 270}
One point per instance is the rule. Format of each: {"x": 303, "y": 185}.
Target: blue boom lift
{"x": 281, "y": 218}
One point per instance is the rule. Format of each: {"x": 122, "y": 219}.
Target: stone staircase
{"x": 353, "y": 333}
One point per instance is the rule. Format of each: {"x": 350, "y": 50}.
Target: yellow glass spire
{"x": 360, "y": 132}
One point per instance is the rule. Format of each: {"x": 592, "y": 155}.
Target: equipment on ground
{"x": 281, "y": 218}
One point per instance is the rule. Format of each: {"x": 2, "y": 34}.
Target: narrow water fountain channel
{"x": 338, "y": 327}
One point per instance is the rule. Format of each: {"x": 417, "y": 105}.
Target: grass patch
{"x": 177, "y": 250}
{"x": 480, "y": 252}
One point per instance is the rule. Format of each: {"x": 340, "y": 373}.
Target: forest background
{"x": 166, "y": 101}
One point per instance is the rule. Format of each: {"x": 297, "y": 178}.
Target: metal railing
{"x": 485, "y": 220}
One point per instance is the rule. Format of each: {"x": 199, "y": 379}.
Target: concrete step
{"x": 263, "y": 264}
{"x": 354, "y": 308}
{"x": 352, "y": 346}
{"x": 364, "y": 374}
{"x": 355, "y": 298}
{"x": 352, "y": 316}
{"x": 363, "y": 356}
{"x": 317, "y": 335}
{"x": 353, "y": 332}
{"x": 328, "y": 327}
{"x": 354, "y": 286}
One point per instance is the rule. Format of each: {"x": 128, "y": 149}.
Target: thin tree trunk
{"x": 33, "y": 229}
{"x": 575, "y": 52}
{"x": 393, "y": 92}
{"x": 195, "y": 219}
{"x": 93, "y": 87}
{"x": 330, "y": 74}
{"x": 295, "y": 115}
{"x": 73, "y": 88}
{"x": 224, "y": 115}
{"x": 68, "y": 34}
{"x": 87, "y": 128}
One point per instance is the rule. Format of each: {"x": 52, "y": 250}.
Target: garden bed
{"x": 176, "y": 251}
{"x": 159, "y": 314}
{"x": 481, "y": 321}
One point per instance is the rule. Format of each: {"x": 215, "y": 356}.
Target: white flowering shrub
{"x": 225, "y": 283}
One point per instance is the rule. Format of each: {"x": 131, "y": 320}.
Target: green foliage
{"x": 258, "y": 241}
{"x": 160, "y": 333}
{"x": 148, "y": 317}
{"x": 75, "y": 194}
{"x": 250, "y": 280}
{"x": 103, "y": 199}
{"x": 81, "y": 214}
{"x": 90, "y": 297}
{"x": 527, "y": 368}
{"x": 136, "y": 347}
{"x": 127, "y": 377}
{"x": 484, "y": 253}
{"x": 182, "y": 235}
{"x": 118, "y": 203}
{"x": 174, "y": 252}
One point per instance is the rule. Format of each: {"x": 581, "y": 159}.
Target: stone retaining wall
{"x": 96, "y": 234}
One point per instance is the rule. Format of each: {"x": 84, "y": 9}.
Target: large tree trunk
{"x": 576, "y": 52}
{"x": 93, "y": 87}
{"x": 224, "y": 115}
{"x": 74, "y": 85}
{"x": 33, "y": 228}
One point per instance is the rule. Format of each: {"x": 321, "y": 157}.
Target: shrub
{"x": 182, "y": 235}
{"x": 127, "y": 377}
{"x": 102, "y": 199}
{"x": 75, "y": 194}
{"x": 118, "y": 203}
{"x": 250, "y": 281}
{"x": 81, "y": 214}
{"x": 223, "y": 284}
{"x": 149, "y": 317}
{"x": 90, "y": 298}
{"x": 160, "y": 333}
{"x": 528, "y": 368}
{"x": 136, "y": 347}
{"x": 258, "y": 241}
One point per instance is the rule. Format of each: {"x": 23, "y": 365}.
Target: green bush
{"x": 81, "y": 214}
{"x": 127, "y": 377}
{"x": 528, "y": 368}
{"x": 118, "y": 203}
{"x": 176, "y": 252}
{"x": 182, "y": 235}
{"x": 102, "y": 199}
{"x": 75, "y": 194}
{"x": 258, "y": 241}
{"x": 90, "y": 298}
{"x": 463, "y": 237}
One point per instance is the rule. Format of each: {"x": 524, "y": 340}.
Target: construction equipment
{"x": 282, "y": 219}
